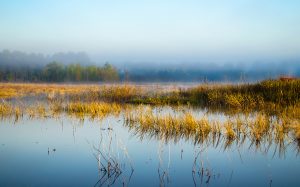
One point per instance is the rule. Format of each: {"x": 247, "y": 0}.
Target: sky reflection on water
{"x": 63, "y": 152}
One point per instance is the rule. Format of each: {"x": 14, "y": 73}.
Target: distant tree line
{"x": 211, "y": 72}
{"x": 16, "y": 66}
{"x": 198, "y": 75}
{"x": 58, "y": 72}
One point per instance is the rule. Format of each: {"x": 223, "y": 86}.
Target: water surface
{"x": 65, "y": 151}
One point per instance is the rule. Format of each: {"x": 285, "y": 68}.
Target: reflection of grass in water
{"x": 259, "y": 128}
{"x": 178, "y": 124}
{"x": 267, "y": 98}
{"x": 112, "y": 164}
{"x": 171, "y": 123}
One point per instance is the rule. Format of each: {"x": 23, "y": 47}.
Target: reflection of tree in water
{"x": 114, "y": 164}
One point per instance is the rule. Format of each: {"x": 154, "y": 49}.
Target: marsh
{"x": 64, "y": 135}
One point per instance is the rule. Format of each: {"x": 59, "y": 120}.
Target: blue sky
{"x": 154, "y": 30}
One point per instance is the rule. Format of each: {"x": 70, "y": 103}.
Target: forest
{"x": 58, "y": 72}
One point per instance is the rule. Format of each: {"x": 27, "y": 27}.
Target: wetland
{"x": 150, "y": 134}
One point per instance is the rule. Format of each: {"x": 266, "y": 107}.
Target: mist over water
{"x": 157, "y": 71}
{"x": 150, "y": 93}
{"x": 154, "y": 31}
{"x": 82, "y": 149}
{"x": 157, "y": 41}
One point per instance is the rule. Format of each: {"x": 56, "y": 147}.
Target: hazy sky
{"x": 154, "y": 30}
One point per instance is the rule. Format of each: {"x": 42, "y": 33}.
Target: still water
{"x": 66, "y": 151}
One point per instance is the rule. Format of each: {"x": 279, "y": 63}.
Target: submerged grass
{"x": 6, "y": 110}
{"x": 179, "y": 123}
{"x": 257, "y": 127}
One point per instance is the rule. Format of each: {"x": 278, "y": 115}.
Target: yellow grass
{"x": 103, "y": 100}
{"x": 257, "y": 128}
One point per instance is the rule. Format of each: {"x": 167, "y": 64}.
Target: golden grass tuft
{"x": 229, "y": 130}
{"x": 259, "y": 127}
{"x": 6, "y": 110}
{"x": 94, "y": 109}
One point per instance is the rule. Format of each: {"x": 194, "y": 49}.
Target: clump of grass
{"x": 94, "y": 109}
{"x": 18, "y": 113}
{"x": 260, "y": 95}
{"x": 169, "y": 124}
{"x": 234, "y": 101}
{"x": 239, "y": 126}
{"x": 31, "y": 112}
{"x": 215, "y": 128}
{"x": 122, "y": 93}
{"x": 6, "y": 110}
{"x": 37, "y": 110}
{"x": 280, "y": 132}
{"x": 41, "y": 110}
{"x": 259, "y": 127}
{"x": 173, "y": 125}
{"x": 229, "y": 130}
{"x": 190, "y": 123}
{"x": 204, "y": 127}
{"x": 290, "y": 111}
{"x": 216, "y": 132}
{"x": 108, "y": 93}
{"x": 296, "y": 129}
